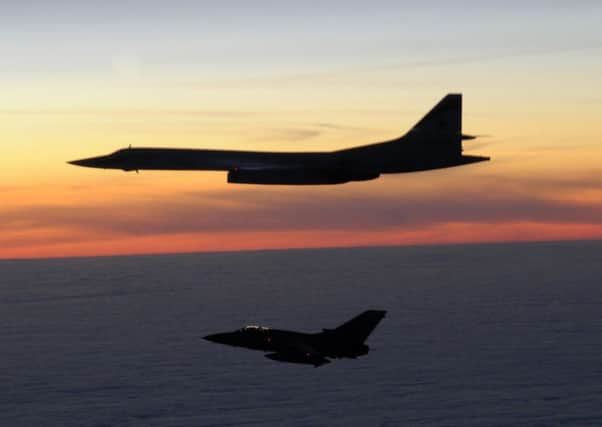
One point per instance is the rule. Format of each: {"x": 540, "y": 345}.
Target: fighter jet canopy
{"x": 254, "y": 328}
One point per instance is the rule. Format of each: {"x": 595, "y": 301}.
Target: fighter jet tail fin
{"x": 360, "y": 327}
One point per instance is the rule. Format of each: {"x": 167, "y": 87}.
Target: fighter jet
{"x": 434, "y": 142}
{"x": 312, "y": 349}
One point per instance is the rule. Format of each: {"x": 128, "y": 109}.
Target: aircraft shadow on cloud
{"x": 434, "y": 142}
{"x": 346, "y": 341}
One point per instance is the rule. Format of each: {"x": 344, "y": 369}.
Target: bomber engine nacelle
{"x": 298, "y": 176}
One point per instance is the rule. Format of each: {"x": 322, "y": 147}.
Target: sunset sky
{"x": 79, "y": 79}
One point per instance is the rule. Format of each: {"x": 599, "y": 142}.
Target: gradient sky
{"x": 86, "y": 78}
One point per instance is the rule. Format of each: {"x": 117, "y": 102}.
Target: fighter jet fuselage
{"x": 435, "y": 142}
{"x": 346, "y": 341}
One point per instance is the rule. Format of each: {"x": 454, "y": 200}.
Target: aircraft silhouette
{"x": 313, "y": 349}
{"x": 434, "y": 142}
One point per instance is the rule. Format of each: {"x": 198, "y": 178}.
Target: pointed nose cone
{"x": 82, "y": 162}
{"x": 223, "y": 338}
{"x": 92, "y": 162}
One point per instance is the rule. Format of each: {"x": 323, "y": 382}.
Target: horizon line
{"x": 310, "y": 248}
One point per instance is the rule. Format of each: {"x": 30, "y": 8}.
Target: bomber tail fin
{"x": 360, "y": 327}
{"x": 444, "y": 118}
{"x": 442, "y": 126}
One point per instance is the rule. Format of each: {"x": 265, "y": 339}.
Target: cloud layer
{"x": 401, "y": 204}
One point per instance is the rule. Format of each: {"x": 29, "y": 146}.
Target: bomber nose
{"x": 81, "y": 162}
{"x": 90, "y": 162}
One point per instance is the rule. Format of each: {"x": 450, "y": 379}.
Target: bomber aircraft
{"x": 434, "y": 142}
{"x": 313, "y": 349}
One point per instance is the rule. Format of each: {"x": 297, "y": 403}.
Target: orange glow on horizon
{"x": 456, "y": 233}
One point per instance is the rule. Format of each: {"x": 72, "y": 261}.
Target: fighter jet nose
{"x": 218, "y": 338}
{"x": 212, "y": 337}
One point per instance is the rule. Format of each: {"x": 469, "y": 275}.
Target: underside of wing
{"x": 298, "y": 176}
{"x": 308, "y": 358}
{"x": 299, "y": 352}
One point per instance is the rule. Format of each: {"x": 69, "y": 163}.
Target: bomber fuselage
{"x": 434, "y": 142}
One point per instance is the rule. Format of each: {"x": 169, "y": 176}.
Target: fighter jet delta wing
{"x": 434, "y": 142}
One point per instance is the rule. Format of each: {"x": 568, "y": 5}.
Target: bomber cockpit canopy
{"x": 120, "y": 153}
